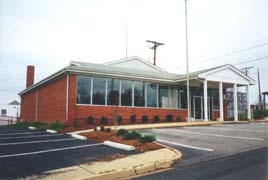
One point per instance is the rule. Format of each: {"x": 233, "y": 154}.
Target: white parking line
{"x": 216, "y": 135}
{"x": 32, "y": 142}
{"x": 20, "y": 133}
{"x": 229, "y": 129}
{"x": 184, "y": 145}
{"x": 50, "y": 150}
{"x": 46, "y": 135}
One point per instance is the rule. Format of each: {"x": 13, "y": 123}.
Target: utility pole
{"x": 155, "y": 45}
{"x": 246, "y": 69}
{"x": 259, "y": 85}
{"x": 187, "y": 65}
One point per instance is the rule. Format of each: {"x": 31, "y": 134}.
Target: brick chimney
{"x": 30, "y": 76}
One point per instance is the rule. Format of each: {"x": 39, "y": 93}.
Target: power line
{"x": 231, "y": 53}
{"x": 258, "y": 59}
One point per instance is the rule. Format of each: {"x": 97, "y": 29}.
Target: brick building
{"x": 128, "y": 87}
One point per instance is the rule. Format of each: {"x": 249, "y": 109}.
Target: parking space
{"x": 204, "y": 143}
{"x": 24, "y": 152}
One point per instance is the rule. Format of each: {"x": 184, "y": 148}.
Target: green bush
{"x": 147, "y": 138}
{"x": 156, "y": 118}
{"x": 90, "y": 120}
{"x": 259, "y": 114}
{"x": 144, "y": 118}
{"x": 133, "y": 118}
{"x": 104, "y": 120}
{"x": 132, "y": 135}
{"x": 57, "y": 126}
{"x": 169, "y": 117}
{"x": 122, "y": 132}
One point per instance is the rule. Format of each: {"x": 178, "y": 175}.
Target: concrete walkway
{"x": 182, "y": 124}
{"x": 129, "y": 166}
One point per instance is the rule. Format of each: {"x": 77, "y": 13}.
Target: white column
{"x": 221, "y": 101}
{"x": 248, "y": 104}
{"x": 235, "y": 102}
{"x": 206, "y": 100}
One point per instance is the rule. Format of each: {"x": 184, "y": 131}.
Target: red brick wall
{"x": 83, "y": 111}
{"x": 28, "y": 102}
{"x": 216, "y": 114}
{"x": 51, "y": 102}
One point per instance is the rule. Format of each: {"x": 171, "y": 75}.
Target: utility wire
{"x": 231, "y": 53}
{"x": 258, "y": 59}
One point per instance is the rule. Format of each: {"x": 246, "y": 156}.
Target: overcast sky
{"x": 51, "y": 33}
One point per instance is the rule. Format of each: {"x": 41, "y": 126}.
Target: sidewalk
{"x": 182, "y": 124}
{"x": 127, "y": 167}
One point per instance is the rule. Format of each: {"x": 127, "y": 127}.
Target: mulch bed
{"x": 72, "y": 128}
{"x": 100, "y": 136}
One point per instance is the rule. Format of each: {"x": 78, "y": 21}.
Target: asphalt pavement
{"x": 24, "y": 152}
{"x": 231, "y": 151}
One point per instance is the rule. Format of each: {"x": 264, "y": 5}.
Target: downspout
{"x": 36, "y": 105}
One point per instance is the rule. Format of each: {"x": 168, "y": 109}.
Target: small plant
{"x": 169, "y": 118}
{"x": 107, "y": 130}
{"x": 102, "y": 129}
{"x": 90, "y": 120}
{"x": 147, "y": 138}
{"x": 133, "y": 118}
{"x": 76, "y": 122}
{"x": 178, "y": 119}
{"x": 104, "y": 120}
{"x": 122, "y": 132}
{"x": 156, "y": 118}
{"x": 57, "y": 126}
{"x": 144, "y": 118}
{"x": 132, "y": 135}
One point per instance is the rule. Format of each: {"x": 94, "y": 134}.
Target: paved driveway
{"x": 24, "y": 152}
{"x": 208, "y": 142}
{"x": 221, "y": 152}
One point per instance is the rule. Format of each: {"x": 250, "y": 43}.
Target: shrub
{"x": 144, "y": 118}
{"x": 133, "y": 118}
{"x": 90, "y": 120}
{"x": 107, "y": 129}
{"x": 147, "y": 138}
{"x": 169, "y": 117}
{"x": 102, "y": 128}
{"x": 104, "y": 120}
{"x": 122, "y": 132}
{"x": 156, "y": 118}
{"x": 178, "y": 119}
{"x": 259, "y": 114}
{"x": 132, "y": 135}
{"x": 57, "y": 126}
{"x": 76, "y": 122}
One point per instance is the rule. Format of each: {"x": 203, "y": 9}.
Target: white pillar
{"x": 235, "y": 102}
{"x": 206, "y": 100}
{"x": 248, "y": 104}
{"x": 221, "y": 101}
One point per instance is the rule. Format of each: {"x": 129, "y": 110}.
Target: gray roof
{"x": 14, "y": 103}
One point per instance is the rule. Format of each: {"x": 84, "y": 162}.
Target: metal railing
{"x": 8, "y": 120}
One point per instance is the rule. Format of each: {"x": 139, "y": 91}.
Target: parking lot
{"x": 25, "y": 152}
{"x": 203, "y": 143}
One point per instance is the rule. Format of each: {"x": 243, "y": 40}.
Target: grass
{"x": 40, "y": 125}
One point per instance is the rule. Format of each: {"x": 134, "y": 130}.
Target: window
{"x": 163, "y": 96}
{"x": 139, "y": 93}
{"x": 182, "y": 97}
{"x": 215, "y": 97}
{"x": 113, "y": 91}
{"x": 151, "y": 95}
{"x": 83, "y": 89}
{"x": 173, "y": 96}
{"x": 126, "y": 93}
{"x": 3, "y": 112}
{"x": 99, "y": 89}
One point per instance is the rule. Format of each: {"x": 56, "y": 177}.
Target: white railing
{"x": 8, "y": 120}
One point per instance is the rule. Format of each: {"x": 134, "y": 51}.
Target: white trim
{"x": 235, "y": 102}
{"x": 205, "y": 100}
{"x": 221, "y": 101}
{"x": 67, "y": 97}
{"x": 91, "y": 90}
{"x": 248, "y": 104}
{"x": 133, "y": 94}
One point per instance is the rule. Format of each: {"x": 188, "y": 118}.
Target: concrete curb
{"x": 79, "y": 137}
{"x": 32, "y": 128}
{"x": 79, "y": 132}
{"x": 51, "y": 131}
{"x": 119, "y": 145}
